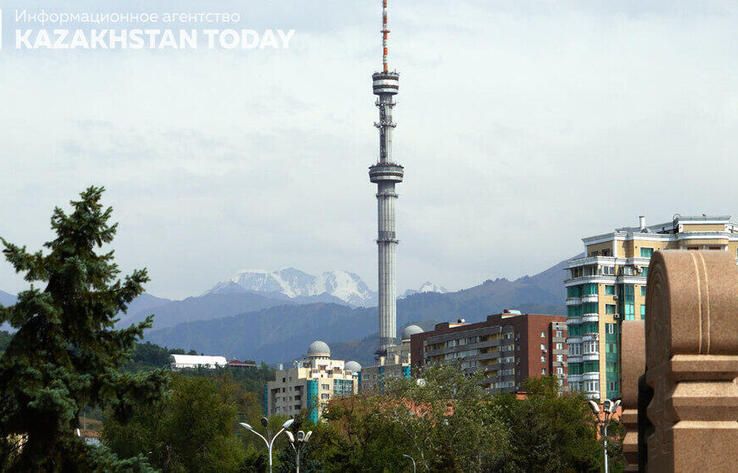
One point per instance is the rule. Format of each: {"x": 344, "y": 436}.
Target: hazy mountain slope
{"x": 6, "y": 299}
{"x": 206, "y": 307}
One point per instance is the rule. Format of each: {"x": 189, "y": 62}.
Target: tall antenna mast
{"x": 386, "y": 173}
{"x": 385, "y": 36}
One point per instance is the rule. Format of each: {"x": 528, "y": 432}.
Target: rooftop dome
{"x": 318, "y": 348}
{"x": 410, "y": 330}
{"x": 352, "y": 366}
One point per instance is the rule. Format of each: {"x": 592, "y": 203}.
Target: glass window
{"x": 643, "y": 291}
{"x": 643, "y": 311}
{"x": 609, "y": 290}
{"x": 543, "y": 335}
{"x": 610, "y": 308}
{"x": 646, "y": 252}
{"x": 543, "y": 358}
{"x": 644, "y": 271}
{"x": 589, "y": 308}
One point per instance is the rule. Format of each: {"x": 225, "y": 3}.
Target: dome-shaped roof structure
{"x": 318, "y": 348}
{"x": 410, "y": 330}
{"x": 352, "y": 366}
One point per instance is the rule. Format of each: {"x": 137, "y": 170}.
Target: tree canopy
{"x": 66, "y": 354}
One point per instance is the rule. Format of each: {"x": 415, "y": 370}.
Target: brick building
{"x": 507, "y": 347}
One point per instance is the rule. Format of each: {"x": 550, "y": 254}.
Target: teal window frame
{"x": 646, "y": 252}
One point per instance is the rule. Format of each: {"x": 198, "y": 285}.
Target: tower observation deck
{"x": 386, "y": 173}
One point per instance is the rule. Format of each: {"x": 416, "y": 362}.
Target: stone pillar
{"x": 692, "y": 362}
{"x": 632, "y": 366}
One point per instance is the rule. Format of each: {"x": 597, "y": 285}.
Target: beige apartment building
{"x": 608, "y": 285}
{"x": 311, "y": 383}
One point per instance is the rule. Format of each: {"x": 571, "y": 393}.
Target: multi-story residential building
{"x": 507, "y": 347}
{"x": 394, "y": 364}
{"x": 311, "y": 383}
{"x": 608, "y": 285}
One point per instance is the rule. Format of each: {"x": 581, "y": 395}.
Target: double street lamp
{"x": 609, "y": 408}
{"x": 269, "y": 443}
{"x": 298, "y": 443}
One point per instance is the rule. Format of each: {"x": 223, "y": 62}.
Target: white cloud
{"x": 523, "y": 126}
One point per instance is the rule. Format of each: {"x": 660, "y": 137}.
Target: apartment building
{"x": 311, "y": 383}
{"x": 508, "y": 348}
{"x": 608, "y": 285}
{"x": 395, "y": 363}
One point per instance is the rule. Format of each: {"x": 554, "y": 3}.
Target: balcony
{"x": 590, "y": 298}
{"x": 575, "y": 359}
{"x": 587, "y": 260}
{"x": 591, "y": 317}
{"x": 593, "y": 376}
{"x": 574, "y": 340}
{"x": 573, "y": 300}
{"x": 591, "y": 357}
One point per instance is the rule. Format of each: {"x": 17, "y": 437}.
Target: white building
{"x": 311, "y": 383}
{"x": 179, "y": 362}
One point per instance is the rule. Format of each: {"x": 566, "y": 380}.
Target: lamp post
{"x": 608, "y": 410}
{"x": 412, "y": 460}
{"x": 298, "y": 443}
{"x": 269, "y": 443}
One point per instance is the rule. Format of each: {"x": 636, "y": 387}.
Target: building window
{"x": 646, "y": 252}
{"x": 543, "y": 358}
{"x": 610, "y": 328}
{"x": 559, "y": 346}
{"x": 610, "y": 309}
{"x": 559, "y": 357}
{"x": 559, "y": 333}
{"x": 644, "y": 271}
{"x": 543, "y": 347}
{"x": 559, "y": 370}
{"x": 643, "y": 311}
{"x": 543, "y": 335}
{"x": 543, "y": 370}
{"x": 643, "y": 291}
{"x": 609, "y": 290}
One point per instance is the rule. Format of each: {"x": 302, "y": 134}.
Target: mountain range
{"x": 282, "y": 332}
{"x": 273, "y": 316}
{"x": 331, "y": 286}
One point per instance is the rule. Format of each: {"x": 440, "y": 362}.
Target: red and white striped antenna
{"x": 385, "y": 36}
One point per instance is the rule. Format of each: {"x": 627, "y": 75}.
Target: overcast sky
{"x": 523, "y": 127}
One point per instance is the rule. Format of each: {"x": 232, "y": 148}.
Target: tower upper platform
{"x": 382, "y": 172}
{"x": 386, "y": 83}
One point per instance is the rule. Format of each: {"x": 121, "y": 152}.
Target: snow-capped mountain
{"x": 293, "y": 283}
{"x": 425, "y": 287}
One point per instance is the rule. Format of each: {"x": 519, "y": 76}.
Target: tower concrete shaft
{"x": 386, "y": 173}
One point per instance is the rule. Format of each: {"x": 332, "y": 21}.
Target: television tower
{"x": 386, "y": 173}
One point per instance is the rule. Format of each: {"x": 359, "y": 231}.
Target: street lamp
{"x": 609, "y": 408}
{"x": 269, "y": 443}
{"x": 301, "y": 440}
{"x": 412, "y": 460}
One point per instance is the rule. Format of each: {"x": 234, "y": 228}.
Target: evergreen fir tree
{"x": 66, "y": 354}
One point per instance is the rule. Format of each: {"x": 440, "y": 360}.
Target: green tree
{"x": 193, "y": 429}
{"x": 549, "y": 432}
{"x": 66, "y": 354}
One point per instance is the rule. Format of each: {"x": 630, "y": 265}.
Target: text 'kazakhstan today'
{"x": 152, "y": 38}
